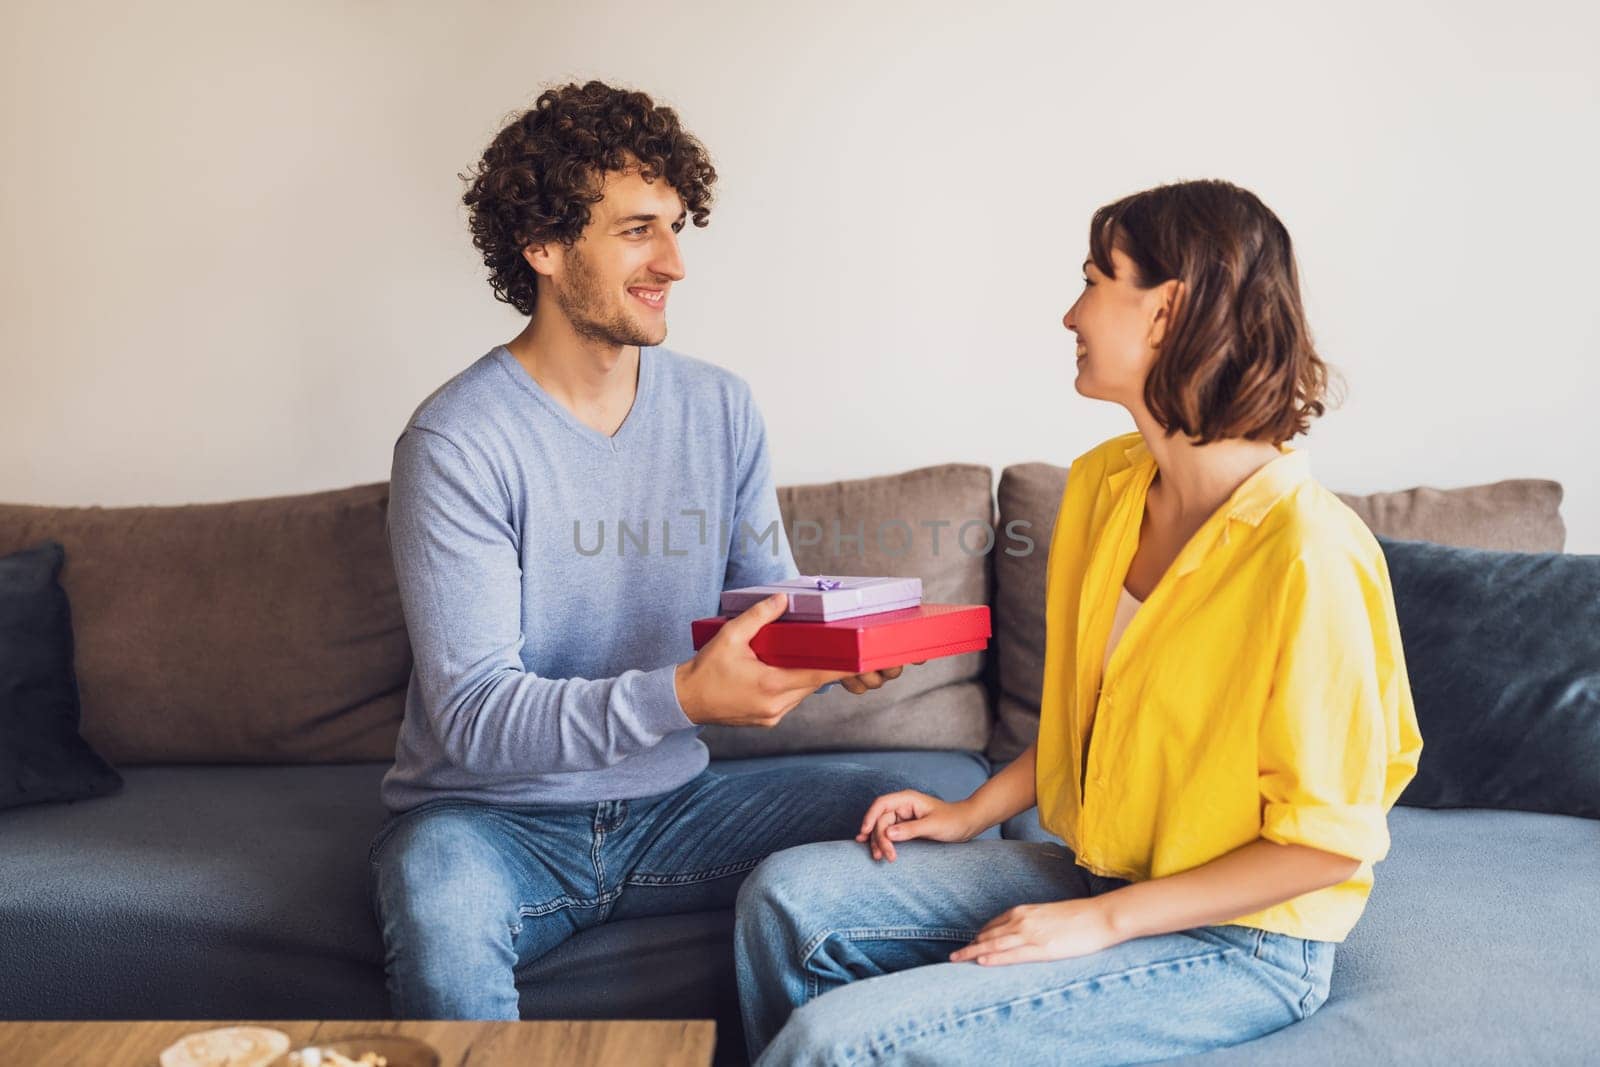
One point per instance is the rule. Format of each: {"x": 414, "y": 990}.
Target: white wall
{"x": 235, "y": 259}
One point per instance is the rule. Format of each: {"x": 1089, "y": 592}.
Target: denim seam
{"x": 1305, "y": 977}
{"x": 599, "y": 860}
{"x": 637, "y": 879}
{"x": 1261, "y": 940}
{"x": 381, "y": 838}
{"x": 372, "y": 849}
{"x": 877, "y": 1051}
{"x": 875, "y": 933}
{"x": 373, "y": 899}
{"x": 550, "y": 907}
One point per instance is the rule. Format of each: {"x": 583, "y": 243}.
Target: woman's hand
{"x": 1030, "y": 933}
{"x": 862, "y": 683}
{"x": 909, "y": 814}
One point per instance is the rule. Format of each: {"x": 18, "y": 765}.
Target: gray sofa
{"x": 243, "y": 665}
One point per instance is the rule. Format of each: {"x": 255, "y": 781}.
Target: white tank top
{"x": 1127, "y": 605}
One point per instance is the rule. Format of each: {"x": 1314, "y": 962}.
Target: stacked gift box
{"x": 855, "y": 624}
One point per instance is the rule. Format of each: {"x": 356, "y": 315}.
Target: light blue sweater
{"x": 549, "y": 574}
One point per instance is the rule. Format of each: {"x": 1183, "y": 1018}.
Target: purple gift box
{"x": 823, "y": 598}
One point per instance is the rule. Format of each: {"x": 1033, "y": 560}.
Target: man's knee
{"x": 860, "y": 781}
{"x": 442, "y": 878}
{"x": 850, "y": 790}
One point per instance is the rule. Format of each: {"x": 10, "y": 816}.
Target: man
{"x": 549, "y": 774}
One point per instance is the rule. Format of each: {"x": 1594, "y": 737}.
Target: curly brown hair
{"x": 547, "y": 166}
{"x": 1238, "y": 360}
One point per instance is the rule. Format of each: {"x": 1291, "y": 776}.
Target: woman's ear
{"x": 1166, "y": 298}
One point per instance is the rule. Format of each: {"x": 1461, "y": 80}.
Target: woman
{"x": 1225, "y": 723}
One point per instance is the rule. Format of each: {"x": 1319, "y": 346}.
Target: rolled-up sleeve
{"x": 1338, "y": 738}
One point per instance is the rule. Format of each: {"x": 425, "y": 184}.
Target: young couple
{"x": 1226, "y": 718}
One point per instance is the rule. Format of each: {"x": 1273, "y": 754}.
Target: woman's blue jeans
{"x": 844, "y": 960}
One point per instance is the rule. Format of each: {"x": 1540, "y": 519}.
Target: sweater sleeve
{"x": 460, "y": 579}
{"x": 758, "y": 549}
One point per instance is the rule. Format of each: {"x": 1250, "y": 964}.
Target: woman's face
{"x": 1119, "y": 327}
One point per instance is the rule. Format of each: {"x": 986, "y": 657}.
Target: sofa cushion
{"x": 1476, "y": 947}
{"x": 244, "y": 893}
{"x": 1503, "y": 652}
{"x": 42, "y": 755}
{"x": 260, "y": 631}
{"x": 1029, "y": 498}
{"x": 197, "y": 892}
{"x": 1518, "y": 515}
{"x": 890, "y": 526}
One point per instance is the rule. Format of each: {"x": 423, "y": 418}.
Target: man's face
{"x": 612, "y": 285}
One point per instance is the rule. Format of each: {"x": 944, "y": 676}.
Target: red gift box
{"x": 867, "y": 642}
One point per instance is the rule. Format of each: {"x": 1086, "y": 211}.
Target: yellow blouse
{"x": 1260, "y": 691}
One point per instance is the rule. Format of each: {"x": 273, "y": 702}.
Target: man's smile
{"x": 654, "y": 299}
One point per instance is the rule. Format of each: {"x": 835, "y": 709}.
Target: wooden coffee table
{"x": 626, "y": 1043}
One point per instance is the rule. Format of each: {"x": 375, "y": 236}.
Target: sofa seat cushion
{"x": 197, "y": 892}
{"x": 1477, "y": 946}
{"x": 239, "y": 892}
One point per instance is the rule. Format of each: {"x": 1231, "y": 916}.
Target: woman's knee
{"x": 802, "y": 892}
{"x": 766, "y": 888}
{"x": 811, "y": 869}
{"x": 813, "y": 1034}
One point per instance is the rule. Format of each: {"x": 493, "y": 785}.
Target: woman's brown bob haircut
{"x": 1236, "y": 361}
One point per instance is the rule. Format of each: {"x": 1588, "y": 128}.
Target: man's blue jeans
{"x": 466, "y": 892}
{"x": 844, "y": 960}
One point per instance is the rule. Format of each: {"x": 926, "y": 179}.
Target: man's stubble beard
{"x": 582, "y": 299}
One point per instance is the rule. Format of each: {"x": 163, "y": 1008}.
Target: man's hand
{"x": 1030, "y": 933}
{"x": 728, "y": 685}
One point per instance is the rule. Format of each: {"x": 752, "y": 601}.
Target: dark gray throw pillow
{"x": 42, "y": 756}
{"x": 1503, "y": 651}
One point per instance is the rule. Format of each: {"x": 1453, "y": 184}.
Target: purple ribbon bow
{"x": 826, "y": 584}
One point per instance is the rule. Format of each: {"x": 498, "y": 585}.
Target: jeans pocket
{"x": 380, "y": 837}
{"x": 1305, "y": 964}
